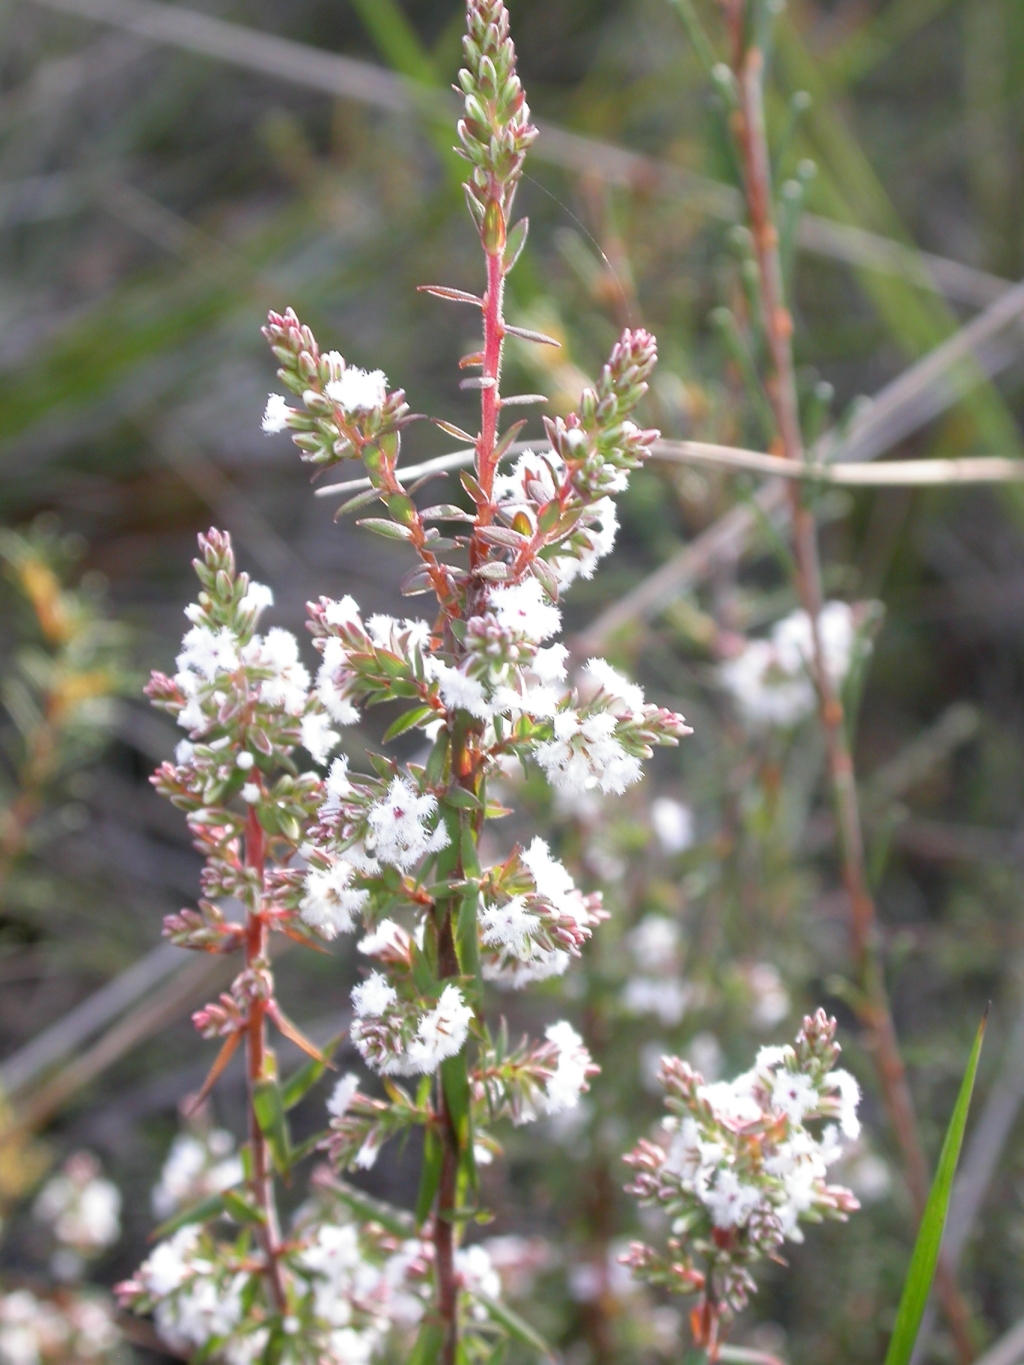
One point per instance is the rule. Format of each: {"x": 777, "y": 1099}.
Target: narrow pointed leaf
{"x": 923, "y": 1262}
{"x": 224, "y": 1056}
{"x": 354, "y": 504}
{"x": 430, "y": 1175}
{"x": 295, "y": 1035}
{"x": 364, "y": 1206}
{"x": 441, "y": 291}
{"x": 515, "y": 1326}
{"x": 527, "y": 334}
{"x": 204, "y": 1212}
{"x": 300, "y": 1082}
{"x": 408, "y": 721}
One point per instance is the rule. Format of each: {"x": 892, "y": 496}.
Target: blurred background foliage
{"x": 153, "y": 204}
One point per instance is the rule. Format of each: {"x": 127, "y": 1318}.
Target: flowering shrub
{"x": 740, "y": 1164}
{"x": 394, "y": 851}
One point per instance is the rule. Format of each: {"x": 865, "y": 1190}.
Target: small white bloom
{"x": 549, "y": 665}
{"x": 458, "y": 692}
{"x": 251, "y": 793}
{"x": 673, "y": 824}
{"x": 630, "y": 695}
{"x": 244, "y": 761}
{"x": 398, "y": 826}
{"x": 373, "y": 997}
{"x": 524, "y": 608}
{"x": 275, "y": 414}
{"x": 794, "y": 1095}
{"x": 730, "y": 1202}
{"x": 654, "y": 943}
{"x": 331, "y": 904}
{"x": 183, "y": 752}
{"x": 510, "y": 928}
{"x": 441, "y": 1031}
{"x": 341, "y": 1095}
{"x": 318, "y": 739}
{"x": 358, "y": 390}
{"x": 565, "y": 1085}
{"x": 343, "y": 612}
{"x": 849, "y": 1099}
{"x": 257, "y": 598}
{"x": 387, "y": 935}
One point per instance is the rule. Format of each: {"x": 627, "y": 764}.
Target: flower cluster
{"x": 770, "y": 680}
{"x": 199, "y": 1164}
{"x": 82, "y": 1211}
{"x": 392, "y": 852}
{"x": 740, "y": 1164}
{"x": 69, "y": 1327}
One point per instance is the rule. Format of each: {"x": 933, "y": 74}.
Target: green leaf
{"x": 430, "y": 1174}
{"x": 303, "y": 1080}
{"x": 427, "y": 1350}
{"x": 515, "y": 1326}
{"x": 354, "y": 504}
{"x": 240, "y": 1208}
{"x": 408, "y": 721}
{"x": 204, "y": 1212}
{"x": 371, "y": 1210}
{"x": 461, "y": 799}
{"x": 929, "y": 1237}
{"x": 382, "y": 527}
{"x": 515, "y": 242}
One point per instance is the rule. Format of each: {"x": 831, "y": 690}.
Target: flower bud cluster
{"x": 344, "y": 409}
{"x": 495, "y": 131}
{"x": 740, "y": 1165}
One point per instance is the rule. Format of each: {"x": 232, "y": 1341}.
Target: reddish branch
{"x": 256, "y": 1059}
{"x": 875, "y": 1011}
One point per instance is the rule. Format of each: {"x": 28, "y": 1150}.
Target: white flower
{"x": 341, "y": 1095}
{"x": 474, "y": 1267}
{"x": 332, "y": 681}
{"x": 617, "y": 686}
{"x": 208, "y": 652}
{"x": 566, "y": 1083}
{"x": 584, "y": 754}
{"x": 794, "y": 1095}
{"x": 278, "y": 653}
{"x": 510, "y": 928}
{"x": 771, "y": 1003}
{"x": 441, "y": 1032}
{"x": 730, "y": 1202}
{"x": 251, "y": 793}
{"x": 398, "y": 827}
{"x": 525, "y": 609}
{"x": 331, "y": 904}
{"x": 731, "y": 1101}
{"x": 673, "y": 824}
{"x": 458, "y": 692}
{"x": 343, "y": 612}
{"x": 849, "y": 1098}
{"x": 771, "y": 682}
{"x": 244, "y": 761}
{"x": 318, "y": 739}
{"x": 387, "y": 935}
{"x": 194, "y": 1169}
{"x": 373, "y": 997}
{"x": 549, "y": 665}
{"x": 337, "y": 786}
{"x": 654, "y": 943}
{"x": 257, "y": 598}
{"x": 169, "y": 1266}
{"x": 666, "y": 997}
{"x": 82, "y": 1209}
{"x": 275, "y": 414}
{"x": 358, "y": 390}
{"x": 183, "y": 753}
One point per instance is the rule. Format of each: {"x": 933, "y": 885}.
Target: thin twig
{"x": 875, "y": 1011}
{"x": 338, "y": 75}
{"x": 896, "y": 411}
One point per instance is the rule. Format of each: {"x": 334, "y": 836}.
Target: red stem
{"x": 748, "y": 67}
{"x": 256, "y": 935}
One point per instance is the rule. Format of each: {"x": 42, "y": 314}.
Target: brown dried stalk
{"x": 748, "y": 125}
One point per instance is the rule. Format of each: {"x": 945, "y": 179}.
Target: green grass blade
{"x": 929, "y": 1237}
